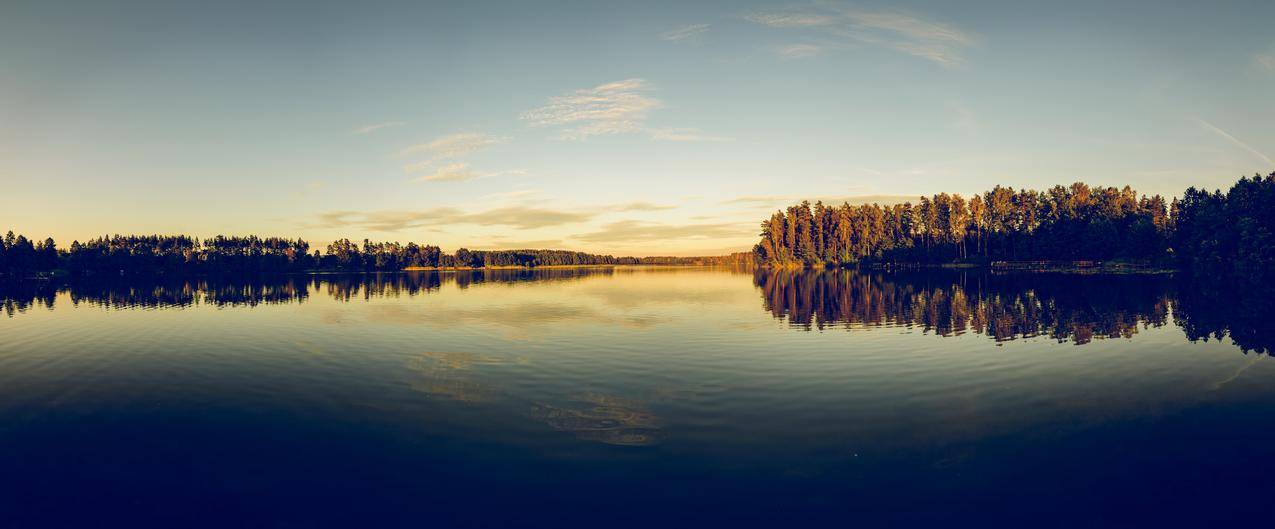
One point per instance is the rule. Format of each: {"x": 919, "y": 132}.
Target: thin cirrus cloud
{"x": 769, "y": 201}
{"x": 642, "y": 206}
{"x": 621, "y": 107}
{"x": 687, "y": 32}
{"x": 628, "y": 231}
{"x": 940, "y": 43}
{"x": 453, "y": 145}
{"x": 502, "y": 244}
{"x": 1265, "y": 61}
{"x": 684, "y": 134}
{"x": 520, "y": 217}
{"x": 368, "y": 129}
{"x": 457, "y": 172}
{"x": 799, "y": 51}
{"x": 611, "y": 108}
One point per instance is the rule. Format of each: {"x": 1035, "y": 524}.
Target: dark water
{"x": 636, "y": 397}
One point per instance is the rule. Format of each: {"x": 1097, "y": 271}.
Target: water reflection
{"x": 1062, "y": 307}
{"x": 603, "y": 418}
{"x": 1067, "y": 308}
{"x": 452, "y": 376}
{"x": 19, "y": 296}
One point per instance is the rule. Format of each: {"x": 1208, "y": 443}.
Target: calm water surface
{"x": 634, "y": 397}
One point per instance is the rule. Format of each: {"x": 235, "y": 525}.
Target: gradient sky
{"x": 628, "y": 128}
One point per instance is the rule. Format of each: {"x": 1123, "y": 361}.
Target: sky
{"x": 630, "y": 128}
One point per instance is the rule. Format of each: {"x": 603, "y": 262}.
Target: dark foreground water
{"x": 635, "y": 397}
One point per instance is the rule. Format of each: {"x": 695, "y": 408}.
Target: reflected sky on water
{"x": 635, "y": 395}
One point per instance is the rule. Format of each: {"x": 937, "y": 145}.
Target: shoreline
{"x": 1064, "y": 267}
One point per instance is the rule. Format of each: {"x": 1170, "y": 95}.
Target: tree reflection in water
{"x": 1063, "y": 307}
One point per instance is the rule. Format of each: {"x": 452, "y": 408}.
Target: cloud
{"x": 451, "y": 147}
{"x": 641, "y": 206}
{"x": 518, "y": 194}
{"x": 519, "y": 245}
{"x": 454, "y": 145}
{"x": 373, "y": 128}
{"x": 758, "y": 199}
{"x": 684, "y": 134}
{"x": 628, "y": 231}
{"x": 612, "y": 108}
{"x": 455, "y": 172}
{"x": 1266, "y": 61}
{"x": 937, "y": 42}
{"x": 1235, "y": 141}
{"x": 799, "y": 51}
{"x": 520, "y": 217}
{"x": 525, "y": 217}
{"x": 768, "y": 201}
{"x": 792, "y": 19}
{"x": 688, "y": 32}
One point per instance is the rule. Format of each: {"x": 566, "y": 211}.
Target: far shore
{"x": 511, "y": 267}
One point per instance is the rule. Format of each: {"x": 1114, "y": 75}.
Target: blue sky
{"x": 633, "y": 128}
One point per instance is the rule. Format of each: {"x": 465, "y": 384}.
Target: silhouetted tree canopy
{"x": 1063, "y": 223}
{"x": 165, "y": 254}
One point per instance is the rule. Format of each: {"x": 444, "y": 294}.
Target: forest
{"x": 181, "y": 254}
{"x": 1215, "y": 233}
{"x": 1218, "y": 234}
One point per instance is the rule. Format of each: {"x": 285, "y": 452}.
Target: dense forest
{"x": 165, "y": 254}
{"x": 1208, "y": 232}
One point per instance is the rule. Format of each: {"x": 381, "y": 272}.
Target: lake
{"x": 653, "y": 397}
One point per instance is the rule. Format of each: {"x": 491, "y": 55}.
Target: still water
{"x": 651, "y": 397}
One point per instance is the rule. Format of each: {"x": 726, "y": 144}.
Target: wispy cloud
{"x": 515, "y": 195}
{"x": 799, "y": 51}
{"x": 502, "y": 244}
{"x": 769, "y": 201}
{"x": 792, "y": 18}
{"x": 453, "y": 172}
{"x": 454, "y": 145}
{"x": 688, "y": 32}
{"x": 460, "y": 171}
{"x": 629, "y": 231}
{"x": 937, "y": 42}
{"x": 612, "y": 108}
{"x": 1235, "y": 141}
{"x": 519, "y": 217}
{"x": 684, "y": 134}
{"x": 641, "y": 206}
{"x": 373, "y": 128}
{"x": 451, "y": 147}
{"x": 1265, "y": 61}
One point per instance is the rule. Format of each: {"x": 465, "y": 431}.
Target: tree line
{"x": 169, "y": 254}
{"x": 1216, "y": 232}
